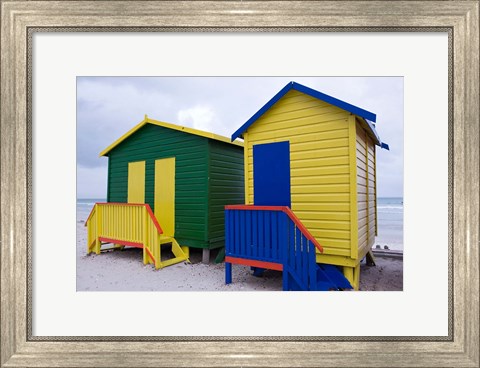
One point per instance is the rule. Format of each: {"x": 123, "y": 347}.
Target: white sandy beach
{"x": 124, "y": 271}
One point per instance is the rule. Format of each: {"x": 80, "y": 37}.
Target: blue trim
{"x": 260, "y": 112}
{"x": 371, "y": 125}
{"x": 335, "y": 101}
{"x": 311, "y": 92}
{"x": 372, "y": 128}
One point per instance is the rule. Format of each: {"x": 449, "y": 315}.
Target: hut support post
{"x": 370, "y": 258}
{"x": 356, "y": 277}
{"x": 206, "y": 255}
{"x": 348, "y": 273}
{"x": 352, "y": 274}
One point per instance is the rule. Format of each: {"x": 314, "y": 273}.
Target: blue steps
{"x": 273, "y": 237}
{"x": 329, "y": 277}
{"x": 257, "y": 271}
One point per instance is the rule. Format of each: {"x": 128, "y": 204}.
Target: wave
{"x": 390, "y": 207}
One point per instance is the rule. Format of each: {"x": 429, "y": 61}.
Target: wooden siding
{"x": 366, "y": 189}
{"x": 153, "y": 142}
{"x": 320, "y": 164}
{"x": 372, "y": 189}
{"x": 226, "y": 186}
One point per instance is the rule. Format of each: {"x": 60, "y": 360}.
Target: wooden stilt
{"x": 206, "y": 255}
{"x": 348, "y": 273}
{"x": 356, "y": 277}
{"x": 370, "y": 258}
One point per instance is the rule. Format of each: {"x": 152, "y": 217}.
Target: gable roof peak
{"x": 368, "y": 116}
{"x": 163, "y": 124}
{"x": 292, "y": 85}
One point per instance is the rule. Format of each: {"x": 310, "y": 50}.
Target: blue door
{"x": 271, "y": 174}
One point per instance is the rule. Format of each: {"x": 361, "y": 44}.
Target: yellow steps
{"x": 181, "y": 253}
{"x": 129, "y": 224}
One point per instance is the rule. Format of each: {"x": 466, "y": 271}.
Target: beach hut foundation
{"x": 206, "y": 255}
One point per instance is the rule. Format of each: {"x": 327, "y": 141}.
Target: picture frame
{"x": 20, "y": 20}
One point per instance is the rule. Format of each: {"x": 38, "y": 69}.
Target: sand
{"x": 123, "y": 270}
{"x": 387, "y": 275}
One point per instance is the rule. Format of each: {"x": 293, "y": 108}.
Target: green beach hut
{"x": 185, "y": 175}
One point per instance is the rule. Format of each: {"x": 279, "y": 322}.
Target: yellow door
{"x": 136, "y": 182}
{"x": 165, "y": 194}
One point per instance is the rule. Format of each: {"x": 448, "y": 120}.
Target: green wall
{"x": 153, "y": 142}
{"x": 208, "y": 175}
{"x": 226, "y": 186}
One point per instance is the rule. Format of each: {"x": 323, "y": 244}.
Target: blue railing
{"x": 272, "y": 237}
{"x": 300, "y": 266}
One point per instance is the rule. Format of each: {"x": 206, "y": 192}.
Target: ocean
{"x": 390, "y": 223}
{"x": 390, "y": 219}
{"x": 85, "y": 205}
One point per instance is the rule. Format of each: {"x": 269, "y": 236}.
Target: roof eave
{"x": 123, "y": 137}
{"x": 179, "y": 128}
{"x": 335, "y": 101}
{"x": 310, "y": 92}
{"x": 374, "y": 134}
{"x": 239, "y": 132}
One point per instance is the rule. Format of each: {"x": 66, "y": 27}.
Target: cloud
{"x": 91, "y": 182}
{"x": 106, "y": 111}
{"x": 107, "y": 107}
{"x": 202, "y": 118}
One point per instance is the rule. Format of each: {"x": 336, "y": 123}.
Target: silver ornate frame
{"x": 21, "y": 19}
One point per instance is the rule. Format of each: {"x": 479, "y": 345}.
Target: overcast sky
{"x": 107, "y": 107}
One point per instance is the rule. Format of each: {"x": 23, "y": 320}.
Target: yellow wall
{"x": 165, "y": 194}
{"x": 320, "y": 165}
{"x": 366, "y": 190}
{"x": 372, "y": 187}
{"x": 136, "y": 182}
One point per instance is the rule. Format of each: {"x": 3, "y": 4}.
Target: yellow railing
{"x": 125, "y": 224}
{"x": 91, "y": 224}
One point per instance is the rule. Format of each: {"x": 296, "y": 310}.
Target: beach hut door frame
{"x": 271, "y": 174}
{"x": 164, "y": 200}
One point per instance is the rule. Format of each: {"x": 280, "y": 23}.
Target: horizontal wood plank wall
{"x": 226, "y": 186}
{"x": 362, "y": 189}
{"x": 191, "y": 182}
{"x": 372, "y": 202}
{"x": 366, "y": 186}
{"x": 375, "y": 179}
{"x": 319, "y": 156}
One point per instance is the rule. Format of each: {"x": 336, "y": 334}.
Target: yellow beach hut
{"x": 315, "y": 155}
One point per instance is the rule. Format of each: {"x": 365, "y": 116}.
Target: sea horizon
{"x": 389, "y": 211}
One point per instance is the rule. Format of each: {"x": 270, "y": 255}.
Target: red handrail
{"x": 284, "y": 209}
{"x": 154, "y": 219}
{"x": 146, "y": 205}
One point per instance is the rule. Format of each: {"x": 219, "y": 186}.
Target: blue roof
{"x": 369, "y": 117}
